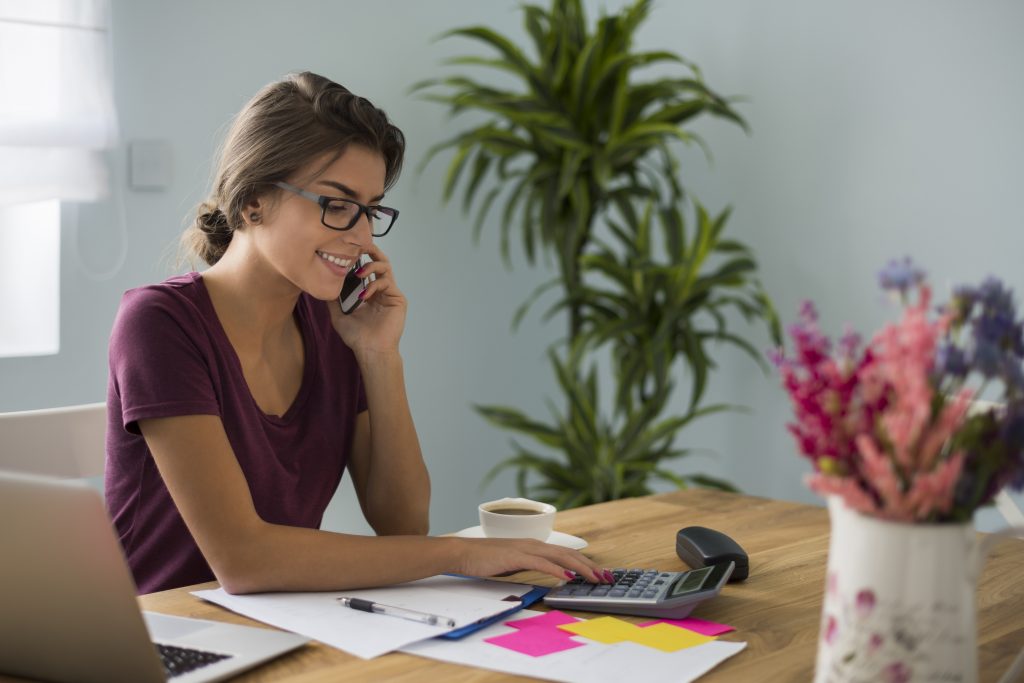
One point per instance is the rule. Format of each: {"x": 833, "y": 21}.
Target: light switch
{"x": 149, "y": 164}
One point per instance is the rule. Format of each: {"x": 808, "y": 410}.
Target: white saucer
{"x": 556, "y": 538}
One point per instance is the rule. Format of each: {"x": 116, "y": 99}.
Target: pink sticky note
{"x": 707, "y": 628}
{"x": 535, "y": 642}
{"x": 548, "y": 619}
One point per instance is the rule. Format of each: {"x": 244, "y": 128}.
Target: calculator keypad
{"x": 643, "y": 592}
{"x": 629, "y": 585}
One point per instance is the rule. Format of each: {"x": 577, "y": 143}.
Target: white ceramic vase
{"x": 899, "y": 601}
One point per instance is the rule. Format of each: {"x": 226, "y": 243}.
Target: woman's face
{"x": 294, "y": 242}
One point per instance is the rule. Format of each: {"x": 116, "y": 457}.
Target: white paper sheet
{"x": 319, "y": 616}
{"x": 594, "y": 663}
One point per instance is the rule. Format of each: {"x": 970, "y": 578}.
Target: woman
{"x": 239, "y": 396}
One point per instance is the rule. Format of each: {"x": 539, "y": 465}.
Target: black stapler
{"x": 699, "y": 547}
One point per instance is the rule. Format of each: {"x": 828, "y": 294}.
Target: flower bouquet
{"x": 905, "y": 453}
{"x": 889, "y": 426}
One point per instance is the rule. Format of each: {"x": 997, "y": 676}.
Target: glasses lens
{"x": 340, "y": 213}
{"x": 382, "y": 218}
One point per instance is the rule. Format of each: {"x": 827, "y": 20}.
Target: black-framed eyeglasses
{"x": 338, "y": 213}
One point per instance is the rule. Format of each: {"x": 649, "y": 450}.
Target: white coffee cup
{"x": 517, "y": 518}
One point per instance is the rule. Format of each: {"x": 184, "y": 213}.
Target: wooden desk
{"x": 776, "y": 611}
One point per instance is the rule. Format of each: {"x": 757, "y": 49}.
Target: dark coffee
{"x": 514, "y": 511}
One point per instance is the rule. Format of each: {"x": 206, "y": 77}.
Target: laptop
{"x": 68, "y": 608}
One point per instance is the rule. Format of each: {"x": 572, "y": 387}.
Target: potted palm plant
{"x": 582, "y": 160}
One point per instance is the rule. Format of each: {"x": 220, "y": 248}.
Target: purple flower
{"x": 808, "y": 313}
{"x": 962, "y": 304}
{"x": 986, "y": 359}
{"x": 993, "y": 295}
{"x": 1013, "y": 375}
{"x": 951, "y": 361}
{"x": 875, "y": 643}
{"x": 900, "y": 275}
{"x": 995, "y": 327}
{"x": 1012, "y": 437}
{"x": 849, "y": 344}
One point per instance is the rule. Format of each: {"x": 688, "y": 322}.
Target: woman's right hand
{"x": 493, "y": 556}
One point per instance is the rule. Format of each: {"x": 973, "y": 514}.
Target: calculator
{"x": 644, "y": 592}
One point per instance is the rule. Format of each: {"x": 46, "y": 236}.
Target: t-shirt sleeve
{"x": 157, "y": 361}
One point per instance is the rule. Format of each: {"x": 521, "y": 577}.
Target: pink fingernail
{"x": 569, "y": 574}
{"x": 359, "y": 272}
{"x": 362, "y": 294}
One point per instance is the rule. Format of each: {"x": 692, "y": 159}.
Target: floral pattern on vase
{"x": 899, "y": 602}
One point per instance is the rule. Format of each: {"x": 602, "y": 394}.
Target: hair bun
{"x": 214, "y": 225}
{"x": 212, "y": 220}
{"x": 210, "y": 234}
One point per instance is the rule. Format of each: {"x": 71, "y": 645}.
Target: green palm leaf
{"x": 579, "y": 158}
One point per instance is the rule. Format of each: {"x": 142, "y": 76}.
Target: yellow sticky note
{"x": 603, "y": 629}
{"x": 668, "y": 638}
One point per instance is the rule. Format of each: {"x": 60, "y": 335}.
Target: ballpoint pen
{"x": 393, "y": 611}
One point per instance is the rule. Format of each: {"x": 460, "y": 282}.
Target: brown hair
{"x": 284, "y": 127}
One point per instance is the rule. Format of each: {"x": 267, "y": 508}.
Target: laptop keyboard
{"x": 181, "y": 660}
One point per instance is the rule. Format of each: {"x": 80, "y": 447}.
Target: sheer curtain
{"x": 56, "y": 119}
{"x": 56, "y": 100}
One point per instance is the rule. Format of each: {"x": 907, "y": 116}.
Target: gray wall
{"x": 878, "y": 129}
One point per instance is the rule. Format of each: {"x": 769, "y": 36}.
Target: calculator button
{"x": 599, "y": 592}
{"x": 617, "y": 593}
{"x": 633, "y": 593}
{"x": 650, "y": 594}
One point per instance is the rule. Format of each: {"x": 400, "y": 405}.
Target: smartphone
{"x": 349, "y": 298}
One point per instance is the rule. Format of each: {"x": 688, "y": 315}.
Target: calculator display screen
{"x": 689, "y": 582}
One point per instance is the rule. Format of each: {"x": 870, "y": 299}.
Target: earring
{"x": 254, "y": 217}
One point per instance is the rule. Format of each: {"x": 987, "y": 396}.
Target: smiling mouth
{"x": 343, "y": 263}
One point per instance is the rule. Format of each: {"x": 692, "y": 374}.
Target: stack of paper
{"x": 321, "y": 617}
{"x": 550, "y": 645}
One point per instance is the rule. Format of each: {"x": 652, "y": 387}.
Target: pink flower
{"x": 847, "y": 488}
{"x": 905, "y": 355}
{"x": 932, "y": 492}
{"x": 831, "y": 630}
{"x": 949, "y": 420}
{"x": 880, "y": 472}
{"x": 865, "y": 602}
{"x": 897, "y": 672}
{"x": 886, "y": 425}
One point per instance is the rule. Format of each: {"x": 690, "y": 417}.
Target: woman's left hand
{"x": 376, "y": 325}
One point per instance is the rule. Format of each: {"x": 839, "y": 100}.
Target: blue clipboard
{"x": 526, "y": 600}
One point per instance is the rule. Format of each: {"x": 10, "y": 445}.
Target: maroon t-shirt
{"x": 170, "y": 356}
